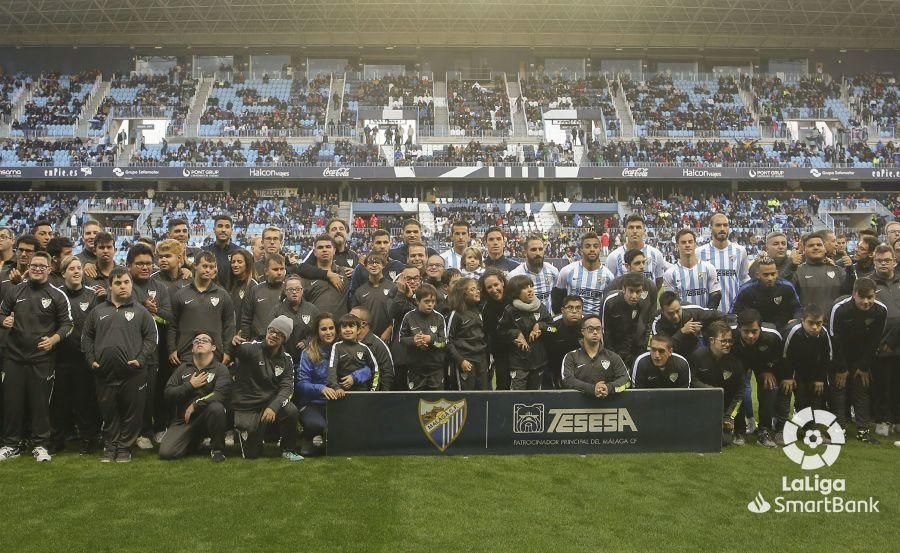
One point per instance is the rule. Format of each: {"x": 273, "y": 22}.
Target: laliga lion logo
{"x": 528, "y": 419}
{"x": 808, "y": 425}
{"x": 117, "y": 171}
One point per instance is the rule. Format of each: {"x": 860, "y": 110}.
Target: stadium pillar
{"x": 793, "y": 185}
{"x": 226, "y": 187}
{"x": 854, "y": 185}
{"x": 541, "y": 195}
{"x": 734, "y": 187}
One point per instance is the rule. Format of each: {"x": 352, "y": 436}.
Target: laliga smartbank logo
{"x": 812, "y": 440}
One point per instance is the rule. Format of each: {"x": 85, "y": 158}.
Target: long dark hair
{"x": 314, "y": 349}
{"x": 456, "y": 299}
{"x": 250, "y": 270}
{"x": 491, "y": 272}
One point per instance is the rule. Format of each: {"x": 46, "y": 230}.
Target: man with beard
{"x": 655, "y": 264}
{"x": 786, "y": 262}
{"x": 683, "y": 323}
{"x": 587, "y": 278}
{"x": 495, "y": 247}
{"x": 43, "y": 231}
{"x": 263, "y": 300}
{"x": 319, "y": 293}
{"x": 154, "y": 296}
{"x": 714, "y": 366}
{"x": 837, "y": 257}
{"x": 412, "y": 232}
{"x": 543, "y": 275}
{"x": 459, "y": 235}
{"x": 775, "y": 299}
{"x": 729, "y": 259}
{"x": 863, "y": 260}
{"x": 345, "y": 259}
{"x": 272, "y": 241}
{"x": 564, "y": 338}
{"x": 262, "y": 390}
{"x": 625, "y": 318}
{"x": 41, "y": 319}
{"x": 223, "y": 247}
{"x": 693, "y": 280}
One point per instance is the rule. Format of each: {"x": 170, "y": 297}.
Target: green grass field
{"x": 664, "y": 502}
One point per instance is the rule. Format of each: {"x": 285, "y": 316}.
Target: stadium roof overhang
{"x": 708, "y": 24}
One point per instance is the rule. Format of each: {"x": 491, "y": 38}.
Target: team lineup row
{"x": 181, "y": 344}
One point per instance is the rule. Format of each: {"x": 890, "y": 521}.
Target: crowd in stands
{"x": 56, "y": 100}
{"x": 541, "y": 92}
{"x": 658, "y": 105}
{"x": 773, "y": 96}
{"x": 256, "y": 152}
{"x": 69, "y": 152}
{"x": 876, "y": 99}
{"x": 476, "y": 107}
{"x": 171, "y": 93}
{"x": 241, "y": 107}
{"x": 20, "y": 211}
{"x": 548, "y": 153}
{"x": 10, "y": 87}
{"x": 704, "y": 152}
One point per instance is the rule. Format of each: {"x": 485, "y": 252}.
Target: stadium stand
{"x": 56, "y": 104}
{"x": 478, "y": 108}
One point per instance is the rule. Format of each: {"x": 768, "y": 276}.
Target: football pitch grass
{"x": 638, "y": 502}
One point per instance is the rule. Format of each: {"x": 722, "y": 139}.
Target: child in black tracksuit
{"x": 808, "y": 357}
{"x": 352, "y": 365}
{"x": 423, "y": 334}
{"x": 522, "y": 324}
{"x": 465, "y": 334}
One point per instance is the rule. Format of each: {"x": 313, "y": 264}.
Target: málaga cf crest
{"x": 442, "y": 421}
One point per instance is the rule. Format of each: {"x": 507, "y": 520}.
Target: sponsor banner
{"x": 461, "y": 172}
{"x": 518, "y": 423}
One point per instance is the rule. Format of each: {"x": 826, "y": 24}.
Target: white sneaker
{"x": 229, "y": 438}
{"x": 7, "y": 452}
{"x": 882, "y": 429}
{"x": 41, "y": 455}
{"x": 207, "y": 442}
{"x": 751, "y": 425}
{"x": 144, "y": 443}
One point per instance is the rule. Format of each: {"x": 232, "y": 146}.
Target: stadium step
{"x": 333, "y": 113}
{"x": 90, "y": 109}
{"x": 388, "y": 153}
{"x": 18, "y": 109}
{"x": 624, "y": 112}
{"x": 192, "y": 122}
{"x": 345, "y": 211}
{"x": 520, "y": 126}
{"x": 441, "y": 113}
{"x": 123, "y": 158}
{"x": 426, "y": 217}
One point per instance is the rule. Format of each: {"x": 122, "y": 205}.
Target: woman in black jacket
{"x": 242, "y": 280}
{"x": 493, "y": 283}
{"x": 523, "y": 322}
{"x": 465, "y": 337}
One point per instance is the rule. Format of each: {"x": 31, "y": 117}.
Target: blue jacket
{"x": 312, "y": 377}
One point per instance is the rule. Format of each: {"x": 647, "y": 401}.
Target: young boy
{"x": 808, "y": 356}
{"x": 424, "y": 335}
{"x": 352, "y": 365}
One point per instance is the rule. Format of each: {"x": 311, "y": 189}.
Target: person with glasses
{"x": 592, "y": 369}
{"x": 262, "y": 391}
{"x": 565, "y": 338}
{"x": 154, "y": 296}
{"x": 402, "y": 302}
{"x": 298, "y": 310}
{"x": 379, "y": 348}
{"x": 26, "y": 246}
{"x": 42, "y": 318}
{"x": 381, "y": 243}
{"x": 714, "y": 366}
{"x": 199, "y": 391}
{"x": 373, "y": 295}
{"x": 7, "y": 254}
{"x": 119, "y": 342}
{"x": 434, "y": 270}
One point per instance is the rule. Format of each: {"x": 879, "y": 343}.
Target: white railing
{"x": 849, "y": 205}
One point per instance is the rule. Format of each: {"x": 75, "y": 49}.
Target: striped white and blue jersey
{"x": 543, "y": 281}
{"x": 692, "y": 284}
{"x": 452, "y": 260}
{"x": 655, "y": 264}
{"x": 732, "y": 266}
{"x": 576, "y": 280}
